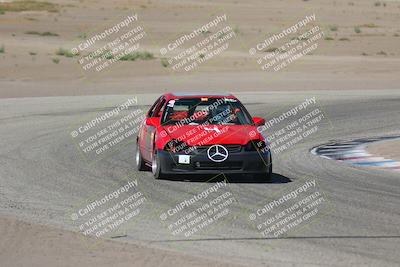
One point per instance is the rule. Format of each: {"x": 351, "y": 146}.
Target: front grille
{"x": 230, "y": 148}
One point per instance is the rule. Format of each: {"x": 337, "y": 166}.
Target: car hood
{"x": 200, "y": 135}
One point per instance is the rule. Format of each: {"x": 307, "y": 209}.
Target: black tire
{"x": 140, "y": 164}
{"x": 156, "y": 167}
{"x": 267, "y": 177}
{"x": 269, "y": 174}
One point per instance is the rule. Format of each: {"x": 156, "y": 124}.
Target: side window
{"x": 152, "y": 109}
{"x": 159, "y": 109}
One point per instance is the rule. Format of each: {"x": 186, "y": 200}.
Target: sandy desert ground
{"x": 27, "y": 244}
{"x": 360, "y": 51}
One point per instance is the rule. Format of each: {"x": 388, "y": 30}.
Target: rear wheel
{"x": 156, "y": 166}
{"x": 140, "y": 165}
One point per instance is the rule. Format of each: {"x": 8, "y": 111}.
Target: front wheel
{"x": 156, "y": 166}
{"x": 265, "y": 177}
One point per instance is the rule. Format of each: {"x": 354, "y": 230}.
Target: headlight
{"x": 255, "y": 145}
{"x": 176, "y": 146}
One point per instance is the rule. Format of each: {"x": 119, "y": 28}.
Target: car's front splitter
{"x": 244, "y": 162}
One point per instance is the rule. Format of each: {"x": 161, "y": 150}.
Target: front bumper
{"x": 243, "y": 162}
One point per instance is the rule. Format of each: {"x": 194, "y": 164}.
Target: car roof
{"x": 199, "y": 94}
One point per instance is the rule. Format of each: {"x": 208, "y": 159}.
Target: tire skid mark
{"x": 354, "y": 152}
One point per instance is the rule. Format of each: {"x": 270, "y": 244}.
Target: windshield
{"x": 197, "y": 111}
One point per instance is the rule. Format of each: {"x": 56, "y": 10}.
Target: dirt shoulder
{"x": 28, "y": 244}
{"x": 358, "y": 50}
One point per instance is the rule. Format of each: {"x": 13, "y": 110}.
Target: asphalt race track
{"x": 43, "y": 179}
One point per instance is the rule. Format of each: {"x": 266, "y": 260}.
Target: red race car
{"x": 202, "y": 134}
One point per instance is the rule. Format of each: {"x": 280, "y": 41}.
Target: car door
{"x": 150, "y": 131}
{"x": 144, "y": 137}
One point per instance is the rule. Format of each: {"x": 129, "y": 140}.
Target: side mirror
{"x": 153, "y": 121}
{"x": 258, "y": 121}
